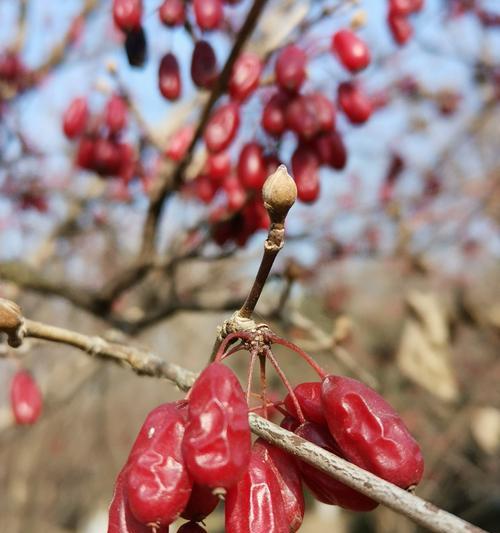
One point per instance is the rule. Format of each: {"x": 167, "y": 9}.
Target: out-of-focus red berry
{"x": 172, "y": 12}
{"x": 290, "y": 68}
{"x": 245, "y": 76}
{"x": 351, "y": 50}
{"x": 116, "y": 114}
{"x": 222, "y": 127}
{"x": 75, "y": 118}
{"x": 354, "y": 102}
{"x": 169, "y": 77}
{"x": 127, "y": 14}
{"x": 208, "y": 13}
{"x": 203, "y": 65}
{"x": 25, "y": 398}
{"x": 179, "y": 142}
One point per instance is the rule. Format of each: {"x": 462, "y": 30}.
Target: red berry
{"x": 271, "y": 162}
{"x": 25, "y": 398}
{"x": 201, "y": 503}
{"x": 245, "y": 76}
{"x": 354, "y": 102}
{"x": 325, "y": 488}
{"x": 351, "y": 50}
{"x": 191, "y": 527}
{"x": 400, "y": 27}
{"x": 235, "y": 193}
{"x": 331, "y": 150}
{"x": 256, "y": 504}
{"x": 204, "y": 188}
{"x": 84, "y": 157}
{"x": 169, "y": 77}
{"x": 288, "y": 477}
{"x": 107, "y": 157}
{"x": 208, "y": 13}
{"x": 325, "y": 110}
{"x": 308, "y": 395}
{"x": 274, "y": 114}
{"x": 369, "y": 432}
{"x": 11, "y": 67}
{"x": 302, "y": 118}
{"x": 290, "y": 68}
{"x": 115, "y": 114}
{"x": 222, "y": 127}
{"x": 127, "y": 14}
{"x": 403, "y": 8}
{"x": 290, "y": 423}
{"x": 158, "y": 485}
{"x": 179, "y": 143}
{"x": 127, "y": 165}
{"x": 251, "y": 166}
{"x": 75, "y": 118}
{"x": 172, "y": 12}
{"x": 305, "y": 166}
{"x": 216, "y": 444}
{"x": 203, "y": 65}
{"x": 218, "y": 166}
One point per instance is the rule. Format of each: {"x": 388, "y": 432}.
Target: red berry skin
{"x": 290, "y": 68}
{"x": 169, "y": 77}
{"x": 222, "y": 127}
{"x": 308, "y": 395}
{"x": 351, "y": 50}
{"x": 302, "y": 118}
{"x": 369, "y": 432}
{"x": 331, "y": 150}
{"x": 208, "y": 13}
{"x": 255, "y": 504}
{"x": 84, "y": 157}
{"x": 218, "y": 166}
{"x": 305, "y": 166}
{"x": 325, "y": 488}
{"x": 274, "y": 114}
{"x": 172, "y": 13}
{"x": 401, "y": 29}
{"x": 127, "y": 14}
{"x": 290, "y": 423}
{"x": 403, "y": 8}
{"x": 116, "y": 114}
{"x": 288, "y": 477}
{"x": 325, "y": 111}
{"x": 179, "y": 143}
{"x": 245, "y": 76}
{"x": 201, "y": 503}
{"x": 25, "y": 398}
{"x": 120, "y": 518}
{"x": 205, "y": 188}
{"x": 251, "y": 166}
{"x": 203, "y": 65}
{"x": 216, "y": 444}
{"x": 158, "y": 485}
{"x": 235, "y": 193}
{"x": 191, "y": 527}
{"x": 75, "y": 118}
{"x": 354, "y": 102}
{"x": 107, "y": 157}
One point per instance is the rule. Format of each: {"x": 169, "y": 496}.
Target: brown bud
{"x": 11, "y": 321}
{"x": 279, "y": 193}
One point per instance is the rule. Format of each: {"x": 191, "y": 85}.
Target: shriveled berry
{"x": 274, "y": 114}
{"x": 354, "y": 102}
{"x": 136, "y": 47}
{"x": 308, "y": 396}
{"x": 331, "y": 150}
{"x": 208, "y": 13}
{"x": 115, "y": 114}
{"x": 191, "y": 527}
{"x": 251, "y": 166}
{"x": 158, "y": 485}
{"x": 305, "y": 166}
{"x": 222, "y": 127}
{"x": 25, "y": 398}
{"x": 201, "y": 503}
{"x": 287, "y": 474}
{"x": 369, "y": 432}
{"x": 245, "y": 76}
{"x": 172, "y": 12}
{"x": 169, "y": 77}
{"x": 351, "y": 50}
{"x": 127, "y": 14}
{"x": 75, "y": 118}
{"x": 401, "y": 28}
{"x": 203, "y": 65}
{"x": 216, "y": 444}
{"x": 179, "y": 142}
{"x": 256, "y": 504}
{"x": 290, "y": 68}
{"x": 325, "y": 488}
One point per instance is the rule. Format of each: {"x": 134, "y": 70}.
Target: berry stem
{"x": 227, "y": 341}
{"x": 307, "y": 358}
{"x": 253, "y": 356}
{"x": 263, "y": 382}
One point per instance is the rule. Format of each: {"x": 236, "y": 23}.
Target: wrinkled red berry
{"x": 251, "y": 166}
{"x": 325, "y": 488}
{"x": 369, "y": 432}
{"x": 255, "y": 504}
{"x": 290, "y": 68}
{"x": 331, "y": 150}
{"x": 305, "y": 166}
{"x": 208, "y": 13}
{"x": 172, "y": 12}
{"x": 179, "y": 142}
{"x": 25, "y": 398}
{"x": 351, "y": 50}
{"x": 216, "y": 444}
{"x": 201, "y": 503}
{"x": 115, "y": 114}
{"x": 308, "y": 396}
{"x": 245, "y": 76}
{"x": 274, "y": 114}
{"x": 401, "y": 28}
{"x": 203, "y": 65}
{"x": 158, "y": 485}
{"x": 354, "y": 102}
{"x": 288, "y": 477}
{"x": 222, "y": 127}
{"x": 127, "y": 14}
{"x": 169, "y": 77}
{"x": 75, "y": 118}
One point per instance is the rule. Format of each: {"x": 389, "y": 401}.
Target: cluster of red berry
{"x": 188, "y": 454}
{"x": 25, "y": 398}
{"x": 100, "y": 148}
